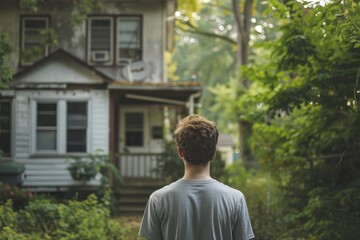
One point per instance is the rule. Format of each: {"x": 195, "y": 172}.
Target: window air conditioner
{"x": 100, "y": 56}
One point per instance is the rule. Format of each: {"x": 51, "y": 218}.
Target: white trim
{"x": 61, "y": 118}
{"x": 89, "y": 147}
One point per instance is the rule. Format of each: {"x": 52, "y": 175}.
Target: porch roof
{"x": 167, "y": 93}
{"x": 172, "y": 86}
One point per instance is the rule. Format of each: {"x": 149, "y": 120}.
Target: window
{"x": 32, "y": 36}
{"x": 76, "y": 126}
{"x": 134, "y": 129}
{"x": 5, "y": 126}
{"x": 61, "y": 127}
{"x": 126, "y": 32}
{"x": 100, "y": 37}
{"x": 46, "y": 127}
{"x": 128, "y": 45}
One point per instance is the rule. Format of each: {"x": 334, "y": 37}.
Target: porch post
{"x": 113, "y": 128}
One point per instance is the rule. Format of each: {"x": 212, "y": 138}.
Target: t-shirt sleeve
{"x": 150, "y": 227}
{"x": 243, "y": 229}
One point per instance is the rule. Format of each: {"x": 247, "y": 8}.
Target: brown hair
{"x": 197, "y": 137}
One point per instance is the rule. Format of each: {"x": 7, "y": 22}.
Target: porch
{"x": 142, "y": 176}
{"x": 140, "y": 167}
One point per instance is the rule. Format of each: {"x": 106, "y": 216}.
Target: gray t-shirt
{"x": 196, "y": 210}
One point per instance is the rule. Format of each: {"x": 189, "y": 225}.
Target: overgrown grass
{"x": 132, "y": 224}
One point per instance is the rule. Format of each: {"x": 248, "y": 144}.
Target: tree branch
{"x": 200, "y": 32}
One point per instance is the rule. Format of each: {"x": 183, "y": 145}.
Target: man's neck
{"x": 196, "y": 172}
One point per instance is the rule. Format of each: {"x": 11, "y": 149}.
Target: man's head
{"x": 196, "y": 137}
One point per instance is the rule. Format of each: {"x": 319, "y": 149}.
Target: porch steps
{"x": 131, "y": 198}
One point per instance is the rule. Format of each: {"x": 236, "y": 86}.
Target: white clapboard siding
{"x": 51, "y": 172}
{"x": 100, "y": 121}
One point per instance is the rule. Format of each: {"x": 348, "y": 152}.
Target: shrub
{"x": 262, "y": 198}
{"x": 20, "y": 197}
{"x": 46, "y": 219}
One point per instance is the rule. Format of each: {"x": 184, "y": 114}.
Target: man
{"x": 196, "y": 207}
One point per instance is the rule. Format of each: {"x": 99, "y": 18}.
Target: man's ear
{"x": 180, "y": 153}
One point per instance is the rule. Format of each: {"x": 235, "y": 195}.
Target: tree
{"x": 306, "y": 117}
{"x": 220, "y": 33}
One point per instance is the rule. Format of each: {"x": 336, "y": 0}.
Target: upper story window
{"x": 122, "y": 33}
{"x": 5, "y": 126}
{"x": 33, "y": 31}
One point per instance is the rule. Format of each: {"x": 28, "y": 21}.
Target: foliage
{"x": 85, "y": 168}
{"x": 84, "y": 8}
{"x": 29, "y": 5}
{"x": 172, "y": 168}
{"x": 88, "y": 167}
{"x": 44, "y": 219}
{"x": 170, "y": 67}
{"x": 262, "y": 197}
{"x": 19, "y": 197}
{"x": 304, "y": 106}
{"x": 5, "y": 70}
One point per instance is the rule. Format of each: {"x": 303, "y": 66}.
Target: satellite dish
{"x": 136, "y": 71}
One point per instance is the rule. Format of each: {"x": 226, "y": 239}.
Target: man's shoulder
{"x": 164, "y": 190}
{"x": 226, "y": 189}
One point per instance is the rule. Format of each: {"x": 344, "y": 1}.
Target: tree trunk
{"x": 242, "y": 59}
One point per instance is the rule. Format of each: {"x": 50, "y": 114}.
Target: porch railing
{"x": 139, "y": 165}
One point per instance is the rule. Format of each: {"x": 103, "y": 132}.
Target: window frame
{"x": 23, "y": 19}
{"x": 114, "y": 58}
{"x": 61, "y": 138}
{"x": 57, "y": 127}
{"x": 146, "y": 138}
{"x": 82, "y": 128}
{"x": 119, "y": 60}
{"x": 129, "y": 129}
{"x": 88, "y": 48}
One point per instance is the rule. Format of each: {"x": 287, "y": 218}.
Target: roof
{"x": 57, "y": 54}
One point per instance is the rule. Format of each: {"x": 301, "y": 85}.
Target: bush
{"x": 262, "y": 198}
{"x": 19, "y": 197}
{"x": 45, "y": 219}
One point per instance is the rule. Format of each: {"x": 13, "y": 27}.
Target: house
{"x": 100, "y": 86}
{"x": 226, "y": 148}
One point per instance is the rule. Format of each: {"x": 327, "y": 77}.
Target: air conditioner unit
{"x": 100, "y": 56}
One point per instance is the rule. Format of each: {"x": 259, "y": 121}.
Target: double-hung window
{"x": 5, "y": 126}
{"x": 76, "y": 133}
{"x": 46, "y": 126}
{"x": 33, "y": 47}
{"x": 114, "y": 40}
{"x": 61, "y": 127}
